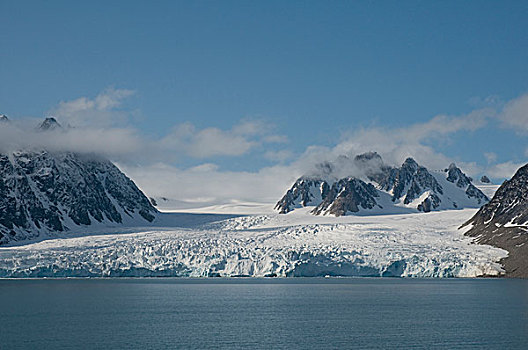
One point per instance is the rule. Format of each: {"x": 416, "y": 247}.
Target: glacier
{"x": 265, "y": 245}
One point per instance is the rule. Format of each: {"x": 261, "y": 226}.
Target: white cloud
{"x": 251, "y": 128}
{"x": 205, "y": 143}
{"x": 515, "y": 114}
{"x": 279, "y": 156}
{"x": 490, "y": 101}
{"x": 209, "y": 142}
{"x": 504, "y": 170}
{"x": 111, "y": 142}
{"x": 490, "y": 157}
{"x": 276, "y": 139}
{"x": 206, "y": 167}
{"x": 99, "y": 129}
{"x": 89, "y": 126}
{"x": 395, "y": 145}
{"x": 99, "y": 125}
{"x": 442, "y": 125}
{"x": 100, "y": 111}
{"x": 208, "y": 185}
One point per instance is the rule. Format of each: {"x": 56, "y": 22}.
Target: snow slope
{"x": 294, "y": 244}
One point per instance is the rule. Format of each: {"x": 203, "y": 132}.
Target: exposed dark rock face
{"x": 503, "y": 223}
{"x": 406, "y": 184}
{"x": 431, "y": 202}
{"x": 372, "y": 166}
{"x": 485, "y": 180}
{"x": 304, "y": 192}
{"x": 410, "y": 182}
{"x": 456, "y": 176}
{"x": 42, "y": 192}
{"x": 509, "y": 204}
{"x": 4, "y": 119}
{"x": 348, "y": 195}
{"x": 49, "y": 123}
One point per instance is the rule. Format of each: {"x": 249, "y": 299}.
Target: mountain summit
{"x": 50, "y": 123}
{"x": 378, "y": 188}
{"x": 42, "y": 193}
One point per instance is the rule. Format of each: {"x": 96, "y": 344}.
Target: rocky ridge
{"x": 503, "y": 223}
{"x": 43, "y": 192}
{"x": 382, "y": 188}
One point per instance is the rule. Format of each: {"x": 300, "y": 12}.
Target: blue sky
{"x": 275, "y": 77}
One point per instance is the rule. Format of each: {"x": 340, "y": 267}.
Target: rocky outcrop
{"x": 409, "y": 186}
{"x": 43, "y": 192}
{"x": 304, "y": 192}
{"x": 503, "y": 223}
{"x": 50, "y": 123}
{"x": 409, "y": 182}
{"x": 485, "y": 180}
{"x": 348, "y": 195}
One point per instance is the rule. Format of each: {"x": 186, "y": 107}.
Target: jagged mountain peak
{"x": 410, "y": 186}
{"x": 522, "y": 172}
{"x": 452, "y": 166}
{"x": 367, "y": 156}
{"x": 362, "y": 165}
{"x": 348, "y": 195}
{"x": 485, "y": 180}
{"x": 410, "y": 163}
{"x": 50, "y": 123}
{"x": 509, "y": 205}
{"x": 369, "y": 162}
{"x": 456, "y": 176}
{"x": 43, "y": 192}
{"x": 4, "y": 118}
{"x": 306, "y": 191}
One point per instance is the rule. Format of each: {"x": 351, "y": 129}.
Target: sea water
{"x": 297, "y": 313}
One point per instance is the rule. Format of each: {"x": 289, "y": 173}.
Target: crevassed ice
{"x": 296, "y": 244}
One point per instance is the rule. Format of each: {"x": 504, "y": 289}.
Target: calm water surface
{"x": 264, "y": 314}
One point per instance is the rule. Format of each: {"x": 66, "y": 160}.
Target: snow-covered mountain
{"x": 43, "y": 192}
{"x": 378, "y": 188}
{"x": 50, "y": 123}
{"x": 503, "y": 223}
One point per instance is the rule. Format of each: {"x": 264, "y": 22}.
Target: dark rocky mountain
{"x": 50, "y": 123}
{"x": 409, "y": 182}
{"x": 304, "y": 192}
{"x": 3, "y": 118}
{"x": 456, "y": 176}
{"x": 42, "y": 193}
{"x": 381, "y": 187}
{"x": 503, "y": 223}
{"x": 348, "y": 195}
{"x": 485, "y": 180}
{"x": 372, "y": 165}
